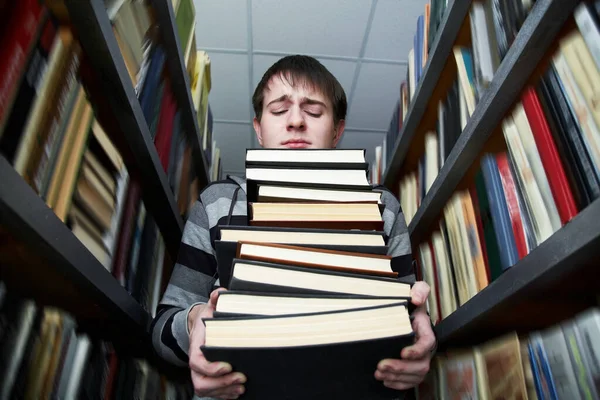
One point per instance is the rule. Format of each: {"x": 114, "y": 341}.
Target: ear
{"x": 337, "y": 133}
{"x": 256, "y": 124}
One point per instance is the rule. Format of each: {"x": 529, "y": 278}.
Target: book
{"x": 236, "y": 303}
{"x": 316, "y": 356}
{"x": 260, "y": 276}
{"x": 324, "y": 216}
{"x": 311, "y": 158}
{"x": 317, "y": 258}
{"x": 272, "y": 194}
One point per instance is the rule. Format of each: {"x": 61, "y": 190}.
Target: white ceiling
{"x": 364, "y": 43}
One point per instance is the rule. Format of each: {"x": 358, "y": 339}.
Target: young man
{"x": 298, "y": 104}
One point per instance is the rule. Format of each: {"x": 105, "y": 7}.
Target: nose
{"x": 295, "y": 120}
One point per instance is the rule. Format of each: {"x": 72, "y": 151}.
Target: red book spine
{"x": 559, "y": 185}
{"x": 437, "y": 283}
{"x": 510, "y": 192}
{"x": 18, "y": 40}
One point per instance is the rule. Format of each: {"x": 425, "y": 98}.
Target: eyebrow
{"x": 304, "y": 100}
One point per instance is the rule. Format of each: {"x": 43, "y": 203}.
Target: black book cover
{"x": 501, "y": 34}
{"x": 226, "y": 252}
{"x": 241, "y": 285}
{"x": 252, "y": 187}
{"x": 578, "y": 164}
{"x": 331, "y": 371}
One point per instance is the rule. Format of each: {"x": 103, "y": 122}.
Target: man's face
{"x": 296, "y": 118}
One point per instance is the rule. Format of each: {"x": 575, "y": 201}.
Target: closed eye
{"x": 278, "y": 112}
{"x": 316, "y": 115}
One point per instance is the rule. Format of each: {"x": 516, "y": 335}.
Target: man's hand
{"x": 411, "y": 369}
{"x": 210, "y": 379}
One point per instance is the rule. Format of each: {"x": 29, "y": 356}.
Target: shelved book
{"x": 300, "y": 292}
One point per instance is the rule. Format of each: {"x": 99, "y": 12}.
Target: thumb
{"x": 214, "y": 296}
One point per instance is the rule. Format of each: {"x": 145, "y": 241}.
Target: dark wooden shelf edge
{"x": 100, "y": 45}
{"x": 180, "y": 84}
{"x": 535, "y": 37}
{"x": 25, "y": 215}
{"x": 441, "y": 49}
{"x": 562, "y": 256}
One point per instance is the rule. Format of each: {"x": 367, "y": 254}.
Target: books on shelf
{"x": 556, "y": 362}
{"x": 47, "y": 355}
{"x": 294, "y": 278}
{"x": 476, "y": 57}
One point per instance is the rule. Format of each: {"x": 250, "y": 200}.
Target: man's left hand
{"x": 411, "y": 369}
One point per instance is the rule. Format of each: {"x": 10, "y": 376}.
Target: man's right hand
{"x": 210, "y": 379}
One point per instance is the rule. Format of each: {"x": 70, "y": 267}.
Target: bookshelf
{"x": 555, "y": 280}
{"x": 440, "y": 51}
{"x": 535, "y": 37}
{"x": 40, "y": 256}
{"x": 61, "y": 270}
{"x": 165, "y": 18}
{"x": 549, "y": 285}
{"x": 91, "y": 21}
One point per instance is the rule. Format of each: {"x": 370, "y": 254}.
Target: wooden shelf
{"x": 536, "y": 36}
{"x": 181, "y": 85}
{"x": 42, "y": 259}
{"x": 441, "y": 49}
{"x": 556, "y": 280}
{"x": 90, "y": 19}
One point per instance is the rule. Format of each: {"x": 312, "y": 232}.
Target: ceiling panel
{"x": 229, "y": 96}
{"x": 221, "y": 24}
{"x": 232, "y": 140}
{"x": 375, "y": 96}
{"x": 342, "y": 70}
{"x": 394, "y": 26}
{"x": 362, "y": 140}
{"x": 333, "y": 27}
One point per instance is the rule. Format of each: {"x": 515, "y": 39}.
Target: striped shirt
{"x": 195, "y": 272}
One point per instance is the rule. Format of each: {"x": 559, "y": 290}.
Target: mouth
{"x": 296, "y": 144}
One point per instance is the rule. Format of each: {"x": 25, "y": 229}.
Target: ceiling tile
{"x": 394, "y": 26}
{"x": 342, "y": 70}
{"x": 232, "y": 140}
{"x": 221, "y": 24}
{"x": 375, "y": 96}
{"x": 362, "y": 140}
{"x": 229, "y": 96}
{"x": 333, "y": 27}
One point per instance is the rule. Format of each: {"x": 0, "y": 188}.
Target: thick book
{"x": 257, "y": 276}
{"x": 319, "y": 216}
{"x": 310, "y": 257}
{"x": 238, "y": 303}
{"x": 499, "y": 212}
{"x": 318, "y": 356}
{"x": 307, "y": 158}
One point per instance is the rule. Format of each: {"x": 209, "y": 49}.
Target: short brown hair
{"x": 298, "y": 69}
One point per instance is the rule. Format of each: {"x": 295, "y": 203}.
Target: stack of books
{"x": 313, "y": 302}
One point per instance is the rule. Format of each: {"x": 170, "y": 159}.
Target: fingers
{"x": 389, "y": 368}
{"x": 228, "y": 386}
{"x": 419, "y": 293}
{"x": 425, "y": 338}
